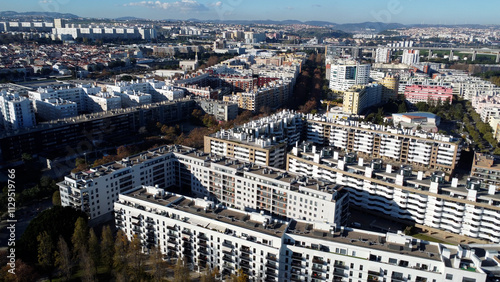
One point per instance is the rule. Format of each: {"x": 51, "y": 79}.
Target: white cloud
{"x": 216, "y": 4}
{"x": 182, "y": 5}
{"x": 45, "y": 1}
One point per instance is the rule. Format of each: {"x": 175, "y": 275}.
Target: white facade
{"x": 411, "y": 57}
{"x": 171, "y": 93}
{"x": 386, "y": 142}
{"x": 16, "y": 111}
{"x": 102, "y": 102}
{"x": 383, "y": 55}
{"x": 55, "y": 108}
{"x": 454, "y": 207}
{"x": 208, "y": 235}
{"x": 345, "y": 75}
{"x": 134, "y": 98}
{"x": 229, "y": 182}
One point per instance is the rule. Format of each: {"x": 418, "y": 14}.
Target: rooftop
{"x": 367, "y": 239}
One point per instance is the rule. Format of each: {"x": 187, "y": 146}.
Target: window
{"x": 449, "y": 276}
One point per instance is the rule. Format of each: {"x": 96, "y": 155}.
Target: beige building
{"x": 487, "y": 169}
{"x": 391, "y": 144}
{"x": 390, "y": 86}
{"x": 360, "y": 97}
{"x": 260, "y": 152}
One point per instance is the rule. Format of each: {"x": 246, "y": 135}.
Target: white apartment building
{"x": 55, "y": 108}
{"x": 262, "y": 141}
{"x": 134, "y": 98}
{"x": 461, "y": 208}
{"x": 221, "y": 110}
{"x": 344, "y": 75}
{"x": 383, "y": 55}
{"x": 411, "y": 57}
{"x": 319, "y": 252}
{"x": 16, "y": 112}
{"x": 226, "y": 181}
{"x": 102, "y": 102}
{"x": 170, "y": 93}
{"x": 73, "y": 93}
{"x": 208, "y": 235}
{"x": 420, "y": 149}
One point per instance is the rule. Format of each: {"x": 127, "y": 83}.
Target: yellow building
{"x": 390, "y": 86}
{"x": 353, "y": 98}
{"x": 359, "y": 97}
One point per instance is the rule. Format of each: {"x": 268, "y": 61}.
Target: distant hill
{"x": 52, "y": 15}
{"x": 128, "y": 19}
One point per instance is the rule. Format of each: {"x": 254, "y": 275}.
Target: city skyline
{"x": 390, "y": 11}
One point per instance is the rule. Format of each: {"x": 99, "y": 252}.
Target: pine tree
{"x": 107, "y": 248}
{"x": 46, "y": 253}
{"x": 181, "y": 271}
{"x": 94, "y": 248}
{"x": 158, "y": 265}
{"x": 80, "y": 237}
{"x": 120, "y": 261}
{"x": 63, "y": 259}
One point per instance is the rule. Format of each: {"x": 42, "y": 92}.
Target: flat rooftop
{"x": 367, "y": 240}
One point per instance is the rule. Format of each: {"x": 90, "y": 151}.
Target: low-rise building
{"x": 223, "y": 111}
{"x": 55, "y": 108}
{"x": 426, "y": 94}
{"x": 486, "y": 168}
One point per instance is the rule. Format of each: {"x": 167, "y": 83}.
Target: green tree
{"x": 158, "y": 265}
{"x": 402, "y": 107}
{"x": 107, "y": 248}
{"x": 56, "y": 198}
{"x": 94, "y": 248}
{"x": 63, "y": 259}
{"x": 136, "y": 258}
{"x": 240, "y": 276}
{"x": 56, "y": 221}
{"x": 181, "y": 271}
{"x": 80, "y": 237}
{"x": 87, "y": 265}
{"x": 120, "y": 259}
{"x": 210, "y": 275}
{"x": 46, "y": 253}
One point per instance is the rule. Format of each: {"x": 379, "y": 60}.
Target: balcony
{"x": 296, "y": 263}
{"x": 297, "y": 256}
{"x": 245, "y": 250}
{"x": 295, "y": 278}
{"x": 318, "y": 260}
{"x": 227, "y": 258}
{"x": 318, "y": 268}
{"x": 202, "y": 237}
{"x": 245, "y": 264}
{"x": 271, "y": 265}
{"x": 227, "y": 245}
{"x": 173, "y": 228}
{"x": 245, "y": 257}
{"x": 271, "y": 273}
{"x": 187, "y": 232}
{"x": 272, "y": 258}
{"x": 203, "y": 251}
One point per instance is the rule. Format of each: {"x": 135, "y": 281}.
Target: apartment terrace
{"x": 366, "y": 240}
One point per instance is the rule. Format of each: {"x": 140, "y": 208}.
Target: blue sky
{"x": 338, "y": 11}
